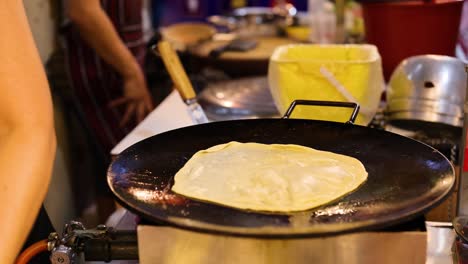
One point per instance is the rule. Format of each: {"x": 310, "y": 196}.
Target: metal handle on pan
{"x": 351, "y": 120}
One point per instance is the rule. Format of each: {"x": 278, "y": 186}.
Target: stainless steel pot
{"x": 427, "y": 89}
{"x": 256, "y": 21}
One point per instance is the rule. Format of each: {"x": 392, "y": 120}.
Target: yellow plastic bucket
{"x": 346, "y": 73}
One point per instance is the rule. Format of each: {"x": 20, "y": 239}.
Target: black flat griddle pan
{"x": 406, "y": 178}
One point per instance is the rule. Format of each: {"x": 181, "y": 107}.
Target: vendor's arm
{"x": 27, "y": 137}
{"x": 97, "y": 30}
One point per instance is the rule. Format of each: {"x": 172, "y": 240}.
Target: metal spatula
{"x": 181, "y": 82}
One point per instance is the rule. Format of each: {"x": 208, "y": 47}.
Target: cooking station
{"x": 368, "y": 247}
{"x": 404, "y": 212}
{"x": 152, "y": 241}
{"x": 162, "y": 243}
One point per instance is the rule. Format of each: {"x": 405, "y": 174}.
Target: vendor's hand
{"x": 136, "y": 97}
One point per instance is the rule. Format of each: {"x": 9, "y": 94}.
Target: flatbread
{"x": 277, "y": 178}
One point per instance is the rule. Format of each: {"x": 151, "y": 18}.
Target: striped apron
{"x": 94, "y": 82}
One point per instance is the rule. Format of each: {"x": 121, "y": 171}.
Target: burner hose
{"x": 31, "y": 252}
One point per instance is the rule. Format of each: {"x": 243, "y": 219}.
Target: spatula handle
{"x": 176, "y": 70}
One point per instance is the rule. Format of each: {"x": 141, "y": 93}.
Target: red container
{"x": 401, "y": 29}
{"x": 465, "y": 161}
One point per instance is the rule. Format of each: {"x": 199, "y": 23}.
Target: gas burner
{"x": 439, "y": 136}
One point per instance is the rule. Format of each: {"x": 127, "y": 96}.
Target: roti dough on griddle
{"x": 277, "y": 177}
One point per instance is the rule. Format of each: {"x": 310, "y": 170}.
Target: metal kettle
{"x": 429, "y": 89}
